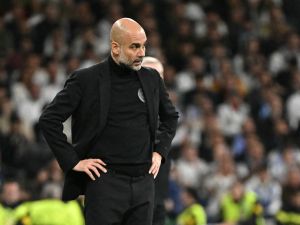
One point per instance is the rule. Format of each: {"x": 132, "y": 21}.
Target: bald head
{"x": 128, "y": 41}
{"x": 124, "y": 27}
{"x": 154, "y": 63}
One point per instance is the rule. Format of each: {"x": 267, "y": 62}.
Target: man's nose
{"x": 141, "y": 52}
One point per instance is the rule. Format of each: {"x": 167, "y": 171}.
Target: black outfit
{"x": 127, "y": 121}
{"x": 161, "y": 193}
{"x": 114, "y": 117}
{"x": 118, "y": 199}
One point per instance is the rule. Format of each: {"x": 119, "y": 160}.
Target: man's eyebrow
{"x": 138, "y": 44}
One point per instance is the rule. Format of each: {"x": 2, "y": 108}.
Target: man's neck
{"x": 119, "y": 67}
{"x": 115, "y": 59}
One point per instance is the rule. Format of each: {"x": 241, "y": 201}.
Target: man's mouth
{"x": 137, "y": 62}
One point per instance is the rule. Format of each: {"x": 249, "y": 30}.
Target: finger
{"x": 152, "y": 168}
{"x": 100, "y": 167}
{"x": 91, "y": 167}
{"x": 156, "y": 172}
{"x": 155, "y": 168}
{"x": 89, "y": 174}
{"x": 100, "y": 161}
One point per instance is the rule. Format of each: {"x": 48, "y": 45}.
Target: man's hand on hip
{"x": 91, "y": 165}
{"x": 156, "y": 162}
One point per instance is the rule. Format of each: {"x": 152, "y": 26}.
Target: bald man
{"x": 162, "y": 180}
{"x": 116, "y": 151}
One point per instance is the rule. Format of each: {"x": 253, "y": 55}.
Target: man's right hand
{"x": 91, "y": 165}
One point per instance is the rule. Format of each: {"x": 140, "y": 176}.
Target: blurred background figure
{"x": 267, "y": 189}
{"x": 290, "y": 208}
{"x": 154, "y": 63}
{"x": 193, "y": 212}
{"x": 49, "y": 212}
{"x": 240, "y": 206}
{"x": 12, "y": 194}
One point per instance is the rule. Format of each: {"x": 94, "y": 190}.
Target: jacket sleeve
{"x": 52, "y": 118}
{"x": 168, "y": 118}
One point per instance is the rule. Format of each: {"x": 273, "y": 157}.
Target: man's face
{"x": 132, "y": 50}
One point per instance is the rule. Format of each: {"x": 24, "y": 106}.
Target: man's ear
{"x": 115, "y": 47}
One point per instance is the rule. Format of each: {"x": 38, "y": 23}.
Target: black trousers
{"x": 159, "y": 216}
{"x": 161, "y": 193}
{"x": 117, "y": 199}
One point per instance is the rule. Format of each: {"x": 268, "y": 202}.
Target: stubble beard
{"x": 124, "y": 61}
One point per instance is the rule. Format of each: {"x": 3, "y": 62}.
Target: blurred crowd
{"x": 232, "y": 68}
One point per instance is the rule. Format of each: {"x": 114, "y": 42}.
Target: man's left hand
{"x": 156, "y": 162}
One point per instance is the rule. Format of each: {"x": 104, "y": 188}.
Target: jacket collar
{"x": 146, "y": 80}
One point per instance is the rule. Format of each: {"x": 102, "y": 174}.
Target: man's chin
{"x": 136, "y": 68}
{"x": 131, "y": 67}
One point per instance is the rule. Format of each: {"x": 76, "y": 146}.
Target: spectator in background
{"x": 173, "y": 202}
{"x": 269, "y": 113}
{"x": 214, "y": 57}
{"x": 258, "y": 96}
{"x": 201, "y": 88}
{"x": 15, "y": 23}
{"x": 280, "y": 58}
{"x": 48, "y": 24}
{"x": 191, "y": 169}
{"x": 56, "y": 78}
{"x": 14, "y": 145}
{"x": 267, "y": 189}
{"x": 193, "y": 212}
{"x": 281, "y": 160}
{"x": 12, "y": 194}
{"x": 291, "y": 186}
{"x": 6, "y": 45}
{"x": 30, "y": 109}
{"x": 240, "y": 206}
{"x": 250, "y": 55}
{"x": 239, "y": 142}
{"x": 72, "y": 64}
{"x": 87, "y": 38}
{"x": 154, "y": 47}
{"x": 5, "y": 215}
{"x": 53, "y": 187}
{"x": 211, "y": 137}
{"x": 49, "y": 212}
{"x": 6, "y": 109}
{"x": 20, "y": 88}
{"x": 197, "y": 115}
{"x": 186, "y": 78}
{"x": 226, "y": 82}
{"x": 293, "y": 103}
{"x": 255, "y": 155}
{"x": 37, "y": 184}
{"x": 55, "y": 45}
{"x": 290, "y": 210}
{"x": 114, "y": 12}
{"x": 219, "y": 180}
{"x": 35, "y": 66}
{"x": 232, "y": 115}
